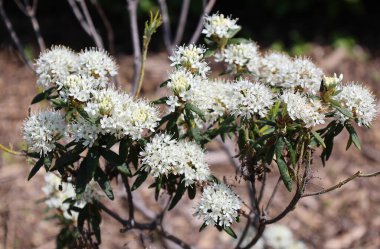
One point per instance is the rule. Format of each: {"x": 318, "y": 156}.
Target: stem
{"x": 131, "y": 208}
{"x": 10, "y": 151}
{"x": 272, "y": 195}
{"x": 182, "y": 22}
{"x": 107, "y": 25}
{"x": 142, "y": 67}
{"x": 166, "y": 21}
{"x": 258, "y": 235}
{"x": 198, "y": 30}
{"x": 245, "y": 231}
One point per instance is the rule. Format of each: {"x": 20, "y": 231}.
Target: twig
{"x": 272, "y": 195}
{"x": 258, "y": 235}
{"x": 173, "y": 238}
{"x": 131, "y": 208}
{"x": 166, "y": 22}
{"x": 93, "y": 33}
{"x": 10, "y": 151}
{"x": 14, "y": 37}
{"x": 112, "y": 214}
{"x": 262, "y": 189}
{"x": 79, "y": 15}
{"x": 107, "y": 25}
{"x": 245, "y": 231}
{"x": 340, "y": 184}
{"x": 132, "y": 9}
{"x": 198, "y": 30}
{"x": 182, "y": 22}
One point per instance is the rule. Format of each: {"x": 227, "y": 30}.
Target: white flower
{"x": 97, "y": 63}
{"x": 360, "y": 101}
{"x": 333, "y": 81}
{"x": 278, "y": 237}
{"x": 57, "y": 191}
{"x": 276, "y": 69}
{"x": 77, "y": 87}
{"x": 191, "y": 58}
{"x": 307, "y": 75}
{"x": 163, "y": 156}
{"x": 42, "y": 130}
{"x": 219, "y": 26}
{"x": 302, "y": 108}
{"x": 54, "y": 65}
{"x": 214, "y": 98}
{"x": 240, "y": 54}
{"x": 181, "y": 80}
{"x": 218, "y": 205}
{"x": 251, "y": 99}
{"x": 85, "y": 131}
{"x": 172, "y": 102}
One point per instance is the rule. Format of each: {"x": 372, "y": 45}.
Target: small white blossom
{"x": 307, "y": 75}
{"x": 57, "y": 191}
{"x": 98, "y": 64}
{"x": 333, "y": 81}
{"x": 180, "y": 81}
{"x": 218, "y": 205}
{"x": 278, "y": 237}
{"x": 240, "y": 55}
{"x": 219, "y": 26}
{"x": 42, "y": 130}
{"x": 163, "y": 156}
{"x": 302, "y": 108}
{"x": 84, "y": 131}
{"x": 251, "y": 99}
{"x": 54, "y": 65}
{"x": 191, "y": 58}
{"x": 78, "y": 87}
{"x": 360, "y": 101}
{"x": 275, "y": 69}
{"x": 172, "y": 102}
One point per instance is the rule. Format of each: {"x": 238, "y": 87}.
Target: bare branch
{"x": 166, "y": 22}
{"x": 93, "y": 33}
{"x": 14, "y": 36}
{"x": 198, "y": 30}
{"x": 131, "y": 208}
{"x": 272, "y": 195}
{"x": 260, "y": 231}
{"x": 107, "y": 25}
{"x": 132, "y": 9}
{"x": 182, "y": 22}
{"x": 340, "y": 184}
{"x": 79, "y": 16}
{"x": 245, "y": 231}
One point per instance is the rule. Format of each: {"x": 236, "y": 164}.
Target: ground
{"x": 346, "y": 218}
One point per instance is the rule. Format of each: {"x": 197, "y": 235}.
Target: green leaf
{"x": 87, "y": 170}
{"x": 354, "y": 138}
{"x": 42, "y": 96}
{"x": 196, "y": 110}
{"x": 238, "y": 41}
{"x": 123, "y": 149}
{"x": 178, "y": 195}
{"x": 36, "y": 168}
{"x": 113, "y": 158}
{"x": 66, "y": 159}
{"x": 96, "y": 219}
{"x": 124, "y": 169}
{"x": 101, "y": 178}
{"x": 341, "y": 109}
{"x": 142, "y": 175}
{"x": 293, "y": 156}
{"x": 230, "y": 232}
{"x": 209, "y": 53}
{"x": 319, "y": 138}
{"x": 160, "y": 101}
{"x": 282, "y": 167}
{"x": 192, "y": 191}
{"x": 164, "y": 83}
{"x": 233, "y": 32}
{"x": 204, "y": 225}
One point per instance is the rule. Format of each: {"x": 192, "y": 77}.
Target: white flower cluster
{"x": 360, "y": 101}
{"x": 57, "y": 191}
{"x": 280, "y": 70}
{"x": 42, "y": 130}
{"x": 163, "y": 156}
{"x": 76, "y": 75}
{"x": 191, "y": 58}
{"x": 300, "y": 107}
{"x": 218, "y": 205}
{"x": 279, "y": 237}
{"x": 219, "y": 26}
{"x": 251, "y": 99}
{"x": 240, "y": 55}
{"x": 181, "y": 80}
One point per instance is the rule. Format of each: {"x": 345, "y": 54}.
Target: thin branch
{"x": 272, "y": 195}
{"x": 131, "y": 208}
{"x": 182, "y": 22}
{"x": 174, "y": 239}
{"x": 198, "y": 30}
{"x": 107, "y": 25}
{"x": 260, "y": 231}
{"x": 340, "y": 184}
{"x": 166, "y": 22}
{"x": 14, "y": 36}
{"x": 245, "y": 231}
{"x": 262, "y": 189}
{"x": 79, "y": 16}
{"x": 132, "y": 9}
{"x": 112, "y": 214}
{"x": 93, "y": 33}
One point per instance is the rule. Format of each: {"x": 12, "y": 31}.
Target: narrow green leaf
{"x": 354, "y": 138}
{"x": 123, "y": 149}
{"x": 196, "y": 110}
{"x": 36, "y": 168}
{"x": 66, "y": 159}
{"x": 160, "y": 101}
{"x": 101, "y": 178}
{"x": 230, "y": 232}
{"x": 113, "y": 158}
{"x": 178, "y": 195}
{"x": 204, "y": 225}
{"x": 164, "y": 83}
{"x": 319, "y": 138}
{"x": 191, "y": 191}
{"x": 293, "y": 156}
{"x": 42, "y": 96}
{"x": 282, "y": 167}
{"x": 142, "y": 175}
{"x": 124, "y": 169}
{"x": 87, "y": 170}
{"x": 209, "y": 53}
